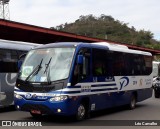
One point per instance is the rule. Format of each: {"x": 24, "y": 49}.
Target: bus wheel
{"x": 132, "y": 104}
{"x": 35, "y": 115}
{"x": 81, "y": 112}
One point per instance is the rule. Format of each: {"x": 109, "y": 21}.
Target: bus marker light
{"x": 18, "y": 107}
{"x": 18, "y": 96}
{"x": 59, "y": 110}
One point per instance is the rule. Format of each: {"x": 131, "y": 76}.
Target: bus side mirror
{"x": 21, "y": 57}
{"x": 80, "y": 59}
{"x": 20, "y": 61}
{"x": 19, "y": 64}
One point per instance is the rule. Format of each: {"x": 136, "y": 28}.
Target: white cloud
{"x": 142, "y": 14}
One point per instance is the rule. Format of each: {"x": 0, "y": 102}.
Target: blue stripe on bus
{"x": 18, "y": 90}
{"x": 107, "y": 89}
{"x": 94, "y": 90}
{"x": 79, "y": 91}
{"x": 98, "y": 85}
{"x": 70, "y": 92}
{"x": 78, "y": 86}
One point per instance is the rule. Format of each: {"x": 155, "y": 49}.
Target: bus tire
{"x": 156, "y": 94}
{"x": 81, "y": 112}
{"x": 35, "y": 115}
{"x": 132, "y": 104}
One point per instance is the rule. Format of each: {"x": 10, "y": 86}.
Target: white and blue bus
{"x": 10, "y": 51}
{"x": 77, "y": 78}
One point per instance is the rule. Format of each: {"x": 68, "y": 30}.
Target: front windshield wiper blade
{"x": 48, "y": 74}
{"x": 48, "y": 77}
{"x": 35, "y": 71}
{"x": 47, "y": 65}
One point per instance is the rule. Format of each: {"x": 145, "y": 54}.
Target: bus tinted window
{"x": 99, "y": 62}
{"x": 148, "y": 65}
{"x": 112, "y": 63}
{"x": 8, "y": 61}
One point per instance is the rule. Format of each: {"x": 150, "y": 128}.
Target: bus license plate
{"x": 35, "y": 111}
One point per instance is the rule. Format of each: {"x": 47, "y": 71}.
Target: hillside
{"x": 106, "y": 27}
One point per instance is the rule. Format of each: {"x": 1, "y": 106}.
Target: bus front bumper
{"x": 67, "y": 107}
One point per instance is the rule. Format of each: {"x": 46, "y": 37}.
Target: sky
{"x": 142, "y": 14}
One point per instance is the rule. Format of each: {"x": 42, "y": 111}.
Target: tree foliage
{"x": 106, "y": 27}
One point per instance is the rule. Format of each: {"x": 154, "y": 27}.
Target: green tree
{"x": 107, "y": 27}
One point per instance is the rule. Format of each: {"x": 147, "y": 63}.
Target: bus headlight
{"x": 18, "y": 96}
{"x": 58, "y": 98}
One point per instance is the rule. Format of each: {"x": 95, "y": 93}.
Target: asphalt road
{"x": 146, "y": 110}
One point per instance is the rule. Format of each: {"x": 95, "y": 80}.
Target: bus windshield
{"x": 46, "y": 64}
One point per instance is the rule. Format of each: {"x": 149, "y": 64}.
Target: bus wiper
{"x": 48, "y": 74}
{"x": 47, "y": 65}
{"x": 35, "y": 71}
{"x": 48, "y": 77}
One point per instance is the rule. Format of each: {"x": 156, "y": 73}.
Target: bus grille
{"x": 29, "y": 87}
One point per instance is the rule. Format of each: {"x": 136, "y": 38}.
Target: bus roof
{"x": 16, "y": 45}
{"x": 101, "y": 45}
{"x": 122, "y": 48}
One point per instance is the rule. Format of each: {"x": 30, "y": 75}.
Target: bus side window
{"x": 8, "y": 60}
{"x": 81, "y": 71}
{"x": 148, "y": 65}
{"x": 99, "y": 62}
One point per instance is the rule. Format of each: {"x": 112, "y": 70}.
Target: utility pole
{"x": 4, "y": 9}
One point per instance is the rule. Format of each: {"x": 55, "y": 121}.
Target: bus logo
{"x": 28, "y": 96}
{"x": 124, "y": 81}
{"x": 11, "y": 79}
